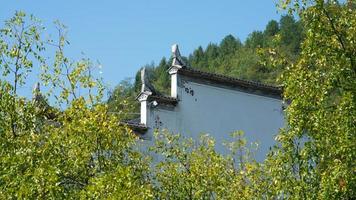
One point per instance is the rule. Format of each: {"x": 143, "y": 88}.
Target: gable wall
{"x": 218, "y": 111}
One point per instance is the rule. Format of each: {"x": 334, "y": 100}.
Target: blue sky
{"x": 125, "y": 35}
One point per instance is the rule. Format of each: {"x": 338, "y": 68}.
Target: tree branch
{"x": 339, "y": 37}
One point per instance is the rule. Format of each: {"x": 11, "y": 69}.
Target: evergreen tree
{"x": 290, "y": 33}
{"x": 197, "y": 59}
{"x": 229, "y": 45}
{"x": 272, "y": 28}
{"x": 255, "y": 40}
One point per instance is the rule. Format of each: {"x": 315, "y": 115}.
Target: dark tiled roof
{"x": 164, "y": 99}
{"x": 234, "y": 82}
{"x": 135, "y": 125}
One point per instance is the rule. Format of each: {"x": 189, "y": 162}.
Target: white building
{"x": 202, "y": 102}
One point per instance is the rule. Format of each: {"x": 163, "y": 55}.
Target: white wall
{"x": 218, "y": 111}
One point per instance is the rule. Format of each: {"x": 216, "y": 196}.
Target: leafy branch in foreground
{"x": 317, "y": 152}
{"x": 79, "y": 150}
{"x": 188, "y": 169}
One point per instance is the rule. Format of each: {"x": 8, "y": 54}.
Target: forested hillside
{"x": 230, "y": 57}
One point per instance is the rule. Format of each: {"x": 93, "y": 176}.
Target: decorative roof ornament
{"x": 37, "y": 96}
{"x": 177, "y": 58}
{"x": 146, "y": 85}
{"x": 36, "y": 88}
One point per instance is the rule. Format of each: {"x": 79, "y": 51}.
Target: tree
{"x": 191, "y": 169}
{"x": 255, "y": 40}
{"x": 290, "y": 32}
{"x": 122, "y": 100}
{"x": 162, "y": 77}
{"x": 198, "y": 58}
{"x": 76, "y": 149}
{"x": 272, "y": 28}
{"x": 20, "y": 46}
{"x": 79, "y": 151}
{"x": 229, "y": 45}
{"x": 316, "y": 156}
{"x": 212, "y": 51}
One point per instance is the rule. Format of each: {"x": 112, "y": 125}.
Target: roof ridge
{"x": 266, "y": 89}
{"x": 235, "y": 78}
{"x": 163, "y": 96}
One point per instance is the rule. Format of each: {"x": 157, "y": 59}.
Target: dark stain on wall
{"x": 189, "y": 91}
{"x": 158, "y": 122}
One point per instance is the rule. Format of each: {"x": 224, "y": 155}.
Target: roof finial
{"x": 36, "y": 91}
{"x": 36, "y": 88}
{"x": 146, "y": 85}
{"x": 37, "y": 96}
{"x": 177, "y": 58}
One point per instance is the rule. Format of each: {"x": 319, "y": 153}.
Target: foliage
{"x": 190, "y": 169}
{"x": 122, "y": 100}
{"x": 77, "y": 150}
{"x": 316, "y": 158}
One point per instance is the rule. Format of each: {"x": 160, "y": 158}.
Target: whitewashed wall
{"x": 218, "y": 111}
